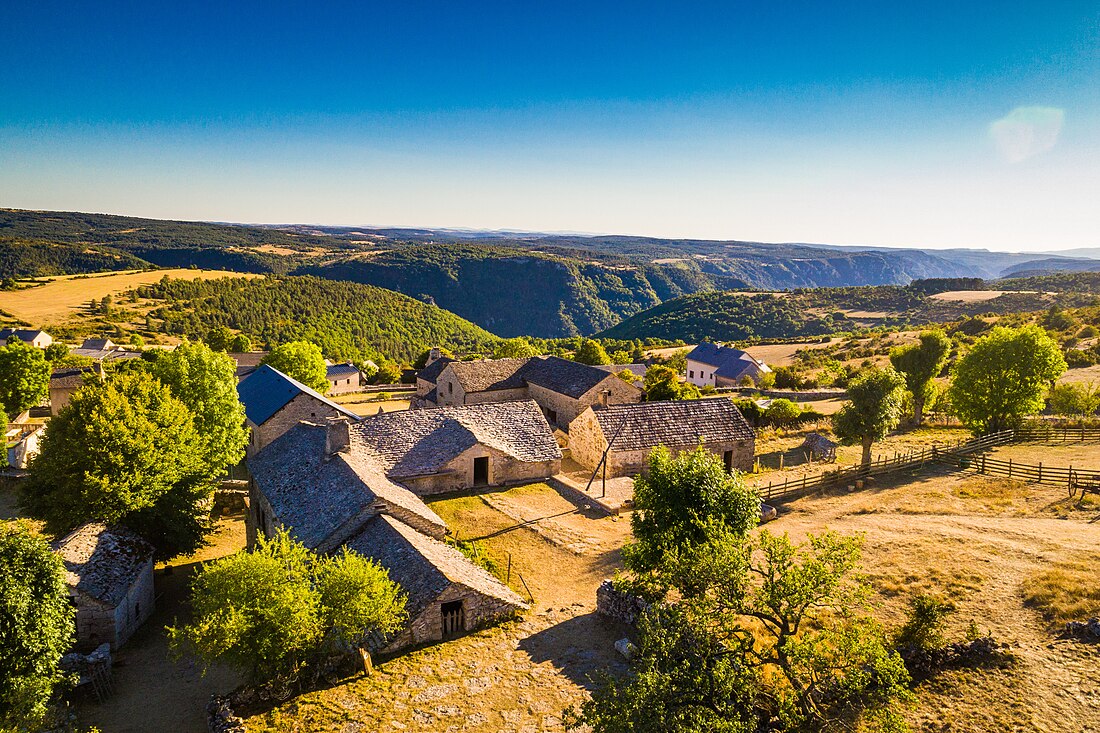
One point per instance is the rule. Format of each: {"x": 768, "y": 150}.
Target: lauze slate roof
{"x": 559, "y": 375}
{"x": 424, "y": 567}
{"x": 681, "y": 423}
{"x": 431, "y": 372}
{"x": 341, "y": 370}
{"x": 418, "y": 442}
{"x": 324, "y": 499}
{"x": 103, "y": 562}
{"x": 267, "y": 390}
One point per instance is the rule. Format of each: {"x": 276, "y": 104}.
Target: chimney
{"x": 434, "y": 355}
{"x": 604, "y": 394}
{"x": 337, "y": 436}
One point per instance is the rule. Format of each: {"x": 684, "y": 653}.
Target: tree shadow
{"x": 580, "y": 648}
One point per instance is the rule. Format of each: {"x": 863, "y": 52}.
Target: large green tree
{"x": 662, "y": 383}
{"x": 274, "y": 610}
{"x": 920, "y": 363}
{"x": 515, "y": 348}
{"x": 206, "y": 382}
{"x": 763, "y": 634}
{"x": 300, "y": 360}
{"x": 874, "y": 407}
{"x": 1004, "y": 377}
{"x": 683, "y": 500}
{"x": 36, "y": 626}
{"x": 124, "y": 450}
{"x": 24, "y": 376}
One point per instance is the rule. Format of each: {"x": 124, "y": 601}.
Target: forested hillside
{"x": 515, "y": 292}
{"x": 37, "y": 258}
{"x": 347, "y": 320}
{"x": 732, "y": 315}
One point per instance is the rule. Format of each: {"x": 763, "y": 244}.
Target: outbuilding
{"x": 109, "y": 571}
{"x": 633, "y": 431}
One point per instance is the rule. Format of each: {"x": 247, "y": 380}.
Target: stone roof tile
{"x": 103, "y": 562}
{"x": 645, "y": 425}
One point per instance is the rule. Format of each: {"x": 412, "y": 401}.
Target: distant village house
{"x": 109, "y": 571}
{"x": 343, "y": 378}
{"x": 31, "y": 337}
{"x": 63, "y": 382}
{"x": 634, "y": 430}
{"x": 723, "y": 366}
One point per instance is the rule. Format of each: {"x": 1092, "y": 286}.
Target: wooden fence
{"x": 1067, "y": 476}
{"x": 1046, "y": 432}
{"x": 795, "y": 487}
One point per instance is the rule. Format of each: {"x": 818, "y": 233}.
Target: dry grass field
{"x": 362, "y": 403}
{"x": 1005, "y": 553}
{"x": 974, "y": 296}
{"x": 60, "y": 298}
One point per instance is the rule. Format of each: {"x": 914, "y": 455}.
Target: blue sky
{"x": 852, "y": 122}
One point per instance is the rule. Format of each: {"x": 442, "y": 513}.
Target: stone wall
{"x": 586, "y": 440}
{"x": 95, "y": 624}
{"x": 302, "y": 407}
{"x": 479, "y": 611}
{"x": 631, "y": 463}
{"x": 617, "y": 605}
{"x": 136, "y": 607}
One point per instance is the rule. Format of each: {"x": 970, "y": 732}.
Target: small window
{"x": 450, "y": 388}
{"x": 691, "y": 374}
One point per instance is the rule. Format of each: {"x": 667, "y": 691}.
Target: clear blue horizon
{"x": 858, "y": 123}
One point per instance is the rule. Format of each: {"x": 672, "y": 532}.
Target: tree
{"x": 766, "y": 634}
{"x": 36, "y": 626}
{"x": 591, "y": 352}
{"x": 300, "y": 360}
{"x": 677, "y": 361}
{"x": 662, "y": 383}
{"x": 1074, "y": 399}
{"x": 683, "y": 500}
{"x": 274, "y": 610}
{"x": 389, "y": 372}
{"x": 873, "y": 409}
{"x": 1005, "y": 377}
{"x": 55, "y": 352}
{"x": 124, "y": 450}
{"x": 514, "y": 348}
{"x": 3, "y": 437}
{"x": 218, "y": 337}
{"x": 782, "y": 412}
{"x": 206, "y": 382}
{"x": 240, "y": 344}
{"x": 920, "y": 364}
{"x": 24, "y": 376}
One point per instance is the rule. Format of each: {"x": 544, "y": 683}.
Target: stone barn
{"x": 343, "y": 378}
{"x": 455, "y": 448}
{"x": 274, "y": 403}
{"x": 562, "y": 388}
{"x": 447, "y": 594}
{"x": 109, "y": 571}
{"x": 633, "y": 431}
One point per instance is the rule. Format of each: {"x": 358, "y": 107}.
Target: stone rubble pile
{"x": 618, "y": 605}
{"x": 1084, "y": 629}
{"x": 220, "y": 717}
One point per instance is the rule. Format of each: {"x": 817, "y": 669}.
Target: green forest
{"x": 347, "y": 320}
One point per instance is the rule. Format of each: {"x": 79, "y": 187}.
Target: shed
{"x": 109, "y": 571}
{"x": 819, "y": 447}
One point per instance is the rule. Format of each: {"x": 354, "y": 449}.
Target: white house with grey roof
{"x": 30, "y": 336}
{"x": 343, "y": 484}
{"x": 561, "y": 388}
{"x": 722, "y": 366}
{"x": 629, "y": 433}
{"x": 109, "y": 571}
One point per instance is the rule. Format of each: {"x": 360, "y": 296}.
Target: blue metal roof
{"x": 266, "y": 391}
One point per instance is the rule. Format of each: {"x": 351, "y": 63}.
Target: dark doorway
{"x": 454, "y": 618}
{"x": 552, "y": 417}
{"x": 727, "y": 458}
{"x": 481, "y": 471}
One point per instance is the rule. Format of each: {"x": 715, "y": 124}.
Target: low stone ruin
{"x": 220, "y": 717}
{"x": 924, "y": 663}
{"x": 93, "y": 670}
{"x": 1089, "y": 630}
{"x": 617, "y": 605}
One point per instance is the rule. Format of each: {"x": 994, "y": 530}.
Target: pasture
{"x": 60, "y": 299}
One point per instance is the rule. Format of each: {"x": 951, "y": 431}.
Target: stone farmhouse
{"x": 455, "y": 448}
{"x": 31, "y": 337}
{"x": 63, "y": 382}
{"x": 274, "y": 403}
{"x": 341, "y": 484}
{"x": 634, "y": 430}
{"x": 722, "y": 366}
{"x": 562, "y": 388}
{"x": 343, "y": 378}
{"x": 109, "y": 571}
{"x": 103, "y": 350}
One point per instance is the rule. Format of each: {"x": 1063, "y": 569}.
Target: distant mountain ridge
{"x": 509, "y": 283}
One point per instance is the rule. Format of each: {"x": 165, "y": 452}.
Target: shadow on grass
{"x": 579, "y": 648}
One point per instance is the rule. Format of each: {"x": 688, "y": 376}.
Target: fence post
{"x": 1010, "y": 468}
{"x": 1040, "y": 472}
